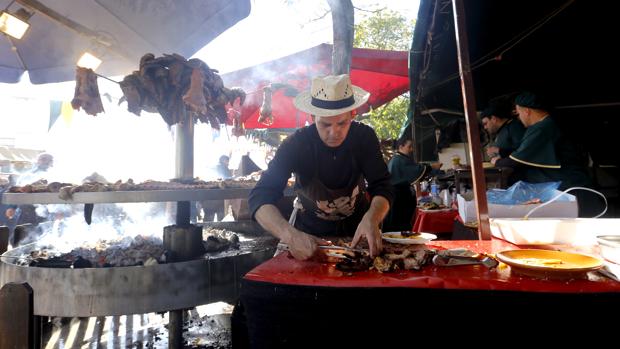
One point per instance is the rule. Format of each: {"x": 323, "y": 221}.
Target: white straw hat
{"x": 331, "y": 95}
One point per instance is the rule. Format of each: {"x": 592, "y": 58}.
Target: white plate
{"x": 436, "y": 210}
{"x": 419, "y": 239}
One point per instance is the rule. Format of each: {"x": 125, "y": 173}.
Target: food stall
{"x": 562, "y": 280}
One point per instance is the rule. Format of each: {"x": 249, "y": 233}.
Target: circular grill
{"x": 141, "y": 289}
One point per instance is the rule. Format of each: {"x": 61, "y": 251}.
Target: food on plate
{"x": 403, "y": 235}
{"x": 542, "y": 261}
{"x": 432, "y": 206}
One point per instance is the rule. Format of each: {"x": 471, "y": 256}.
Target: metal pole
{"x": 471, "y": 118}
{"x": 184, "y": 170}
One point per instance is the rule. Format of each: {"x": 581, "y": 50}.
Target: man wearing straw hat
{"x": 342, "y": 183}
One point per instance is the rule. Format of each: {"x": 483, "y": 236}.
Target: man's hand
{"x": 492, "y": 151}
{"x": 370, "y": 230}
{"x": 303, "y": 246}
{"x": 369, "y": 226}
{"x": 494, "y": 160}
{"x": 436, "y": 165}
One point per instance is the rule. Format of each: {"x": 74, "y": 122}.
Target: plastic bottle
{"x": 435, "y": 193}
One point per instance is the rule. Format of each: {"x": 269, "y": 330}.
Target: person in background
{"x": 44, "y": 162}
{"x": 222, "y": 167}
{"x": 506, "y": 133}
{"x": 545, "y": 155}
{"x": 404, "y": 172}
{"x": 215, "y": 210}
{"x": 336, "y": 161}
{"x": 26, "y": 214}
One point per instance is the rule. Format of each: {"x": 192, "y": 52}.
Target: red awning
{"x": 382, "y": 73}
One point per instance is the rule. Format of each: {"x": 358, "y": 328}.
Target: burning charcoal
{"x": 82, "y": 263}
{"x": 216, "y": 244}
{"x": 55, "y": 262}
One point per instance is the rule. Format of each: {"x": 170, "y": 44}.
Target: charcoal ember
{"x": 216, "y": 240}
{"x": 82, "y": 263}
{"x": 216, "y": 244}
{"x": 54, "y": 262}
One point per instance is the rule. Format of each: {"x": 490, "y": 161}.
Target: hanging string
{"x": 107, "y": 78}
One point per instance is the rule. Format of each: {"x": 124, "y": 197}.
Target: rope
{"x": 564, "y": 192}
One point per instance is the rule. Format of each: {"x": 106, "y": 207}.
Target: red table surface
{"x": 434, "y": 222}
{"x": 284, "y": 269}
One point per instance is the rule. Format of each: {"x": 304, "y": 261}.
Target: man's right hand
{"x": 303, "y": 246}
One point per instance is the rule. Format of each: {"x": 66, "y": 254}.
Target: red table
{"x": 306, "y": 304}
{"x": 434, "y": 221}
{"x": 283, "y": 269}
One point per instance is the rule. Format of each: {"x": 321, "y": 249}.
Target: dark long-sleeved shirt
{"x": 509, "y": 137}
{"x": 546, "y": 156}
{"x": 334, "y": 166}
{"x": 404, "y": 170}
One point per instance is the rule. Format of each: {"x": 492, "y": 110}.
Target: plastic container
{"x": 610, "y": 247}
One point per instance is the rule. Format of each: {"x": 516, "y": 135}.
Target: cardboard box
{"x": 547, "y": 231}
{"x": 556, "y": 209}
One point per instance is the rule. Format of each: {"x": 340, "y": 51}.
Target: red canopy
{"x": 382, "y": 73}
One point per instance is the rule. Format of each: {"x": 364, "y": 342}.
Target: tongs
{"x": 284, "y": 247}
{"x": 461, "y": 256}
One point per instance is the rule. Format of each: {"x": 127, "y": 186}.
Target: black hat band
{"x": 323, "y": 104}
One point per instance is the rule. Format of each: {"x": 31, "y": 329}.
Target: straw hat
{"x": 331, "y": 95}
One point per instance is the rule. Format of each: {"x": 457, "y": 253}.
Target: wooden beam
{"x": 19, "y": 328}
{"x": 471, "y": 118}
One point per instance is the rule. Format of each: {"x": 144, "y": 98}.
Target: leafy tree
{"x": 386, "y": 30}
{"x": 389, "y": 118}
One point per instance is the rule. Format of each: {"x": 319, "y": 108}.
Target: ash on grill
{"x": 216, "y": 240}
{"x": 128, "y": 251}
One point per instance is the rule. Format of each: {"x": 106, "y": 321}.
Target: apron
{"x": 321, "y": 211}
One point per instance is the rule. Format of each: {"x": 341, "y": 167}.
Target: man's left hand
{"x": 369, "y": 229}
{"x": 492, "y": 151}
{"x": 494, "y": 160}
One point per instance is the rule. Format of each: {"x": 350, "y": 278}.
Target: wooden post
{"x": 19, "y": 328}
{"x": 342, "y": 23}
{"x": 471, "y": 119}
{"x": 4, "y": 238}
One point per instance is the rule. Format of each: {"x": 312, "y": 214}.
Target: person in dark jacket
{"x": 404, "y": 172}
{"x": 545, "y": 155}
{"x": 505, "y": 131}
{"x": 342, "y": 183}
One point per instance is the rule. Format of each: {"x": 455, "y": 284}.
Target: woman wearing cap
{"x": 404, "y": 172}
{"x": 336, "y": 162}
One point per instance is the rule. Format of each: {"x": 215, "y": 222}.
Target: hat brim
{"x": 303, "y": 103}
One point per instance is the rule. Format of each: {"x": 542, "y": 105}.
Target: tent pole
{"x": 471, "y": 118}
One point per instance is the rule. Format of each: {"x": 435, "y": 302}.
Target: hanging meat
{"x": 264, "y": 114}
{"x": 171, "y": 85}
{"x": 86, "y": 94}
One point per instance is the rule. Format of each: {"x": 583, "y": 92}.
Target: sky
{"x": 119, "y": 144}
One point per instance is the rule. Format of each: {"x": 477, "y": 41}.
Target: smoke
{"x": 65, "y": 227}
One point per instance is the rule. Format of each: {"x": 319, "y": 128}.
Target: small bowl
{"x": 610, "y": 247}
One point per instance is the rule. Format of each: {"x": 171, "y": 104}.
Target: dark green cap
{"x": 531, "y": 100}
